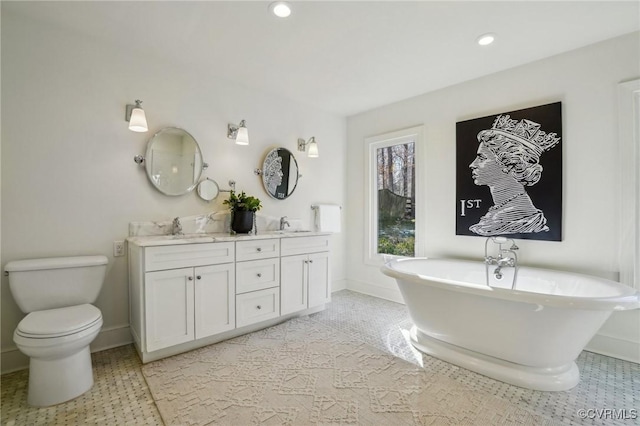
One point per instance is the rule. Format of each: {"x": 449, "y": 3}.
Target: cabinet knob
{"x": 311, "y": 261}
{"x": 190, "y": 278}
{"x": 259, "y": 249}
{"x": 198, "y": 277}
{"x": 259, "y": 307}
{"x": 259, "y": 275}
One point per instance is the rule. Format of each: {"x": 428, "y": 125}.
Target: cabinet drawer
{"x": 187, "y": 255}
{"x": 257, "y": 249}
{"x": 257, "y": 306}
{"x": 257, "y": 275}
{"x": 301, "y": 245}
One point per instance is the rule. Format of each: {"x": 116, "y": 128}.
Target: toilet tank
{"x": 57, "y": 282}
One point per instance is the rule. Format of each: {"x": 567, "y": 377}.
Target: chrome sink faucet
{"x": 176, "y": 227}
{"x": 283, "y": 223}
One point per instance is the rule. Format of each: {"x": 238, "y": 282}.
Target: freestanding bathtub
{"x": 528, "y": 337}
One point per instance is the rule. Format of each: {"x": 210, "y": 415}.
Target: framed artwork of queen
{"x": 509, "y": 174}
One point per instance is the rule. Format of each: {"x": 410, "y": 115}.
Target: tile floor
{"x": 606, "y": 383}
{"x": 120, "y": 395}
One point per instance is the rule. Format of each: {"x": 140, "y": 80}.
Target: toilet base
{"x": 52, "y": 381}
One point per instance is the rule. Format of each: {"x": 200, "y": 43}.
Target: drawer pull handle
{"x": 190, "y": 278}
{"x": 259, "y": 275}
{"x": 259, "y": 307}
{"x": 259, "y": 249}
{"x": 198, "y": 277}
{"x": 311, "y": 261}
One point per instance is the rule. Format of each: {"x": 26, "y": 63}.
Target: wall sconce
{"x": 135, "y": 116}
{"x": 311, "y": 146}
{"x": 239, "y": 133}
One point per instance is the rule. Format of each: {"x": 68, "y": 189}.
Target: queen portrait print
{"x": 507, "y": 166}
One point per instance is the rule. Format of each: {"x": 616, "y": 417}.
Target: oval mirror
{"x": 208, "y": 189}
{"x": 173, "y": 161}
{"x": 280, "y": 173}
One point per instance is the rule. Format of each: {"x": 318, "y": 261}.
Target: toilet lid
{"x": 59, "y": 322}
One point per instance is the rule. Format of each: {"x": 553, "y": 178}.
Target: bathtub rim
{"x": 612, "y": 303}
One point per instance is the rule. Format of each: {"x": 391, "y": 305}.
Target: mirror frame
{"x": 264, "y": 174}
{"x": 148, "y": 155}
{"x": 200, "y": 190}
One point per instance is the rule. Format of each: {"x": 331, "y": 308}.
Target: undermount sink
{"x": 284, "y": 231}
{"x": 183, "y": 237}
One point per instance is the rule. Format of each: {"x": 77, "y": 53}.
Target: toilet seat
{"x": 59, "y": 322}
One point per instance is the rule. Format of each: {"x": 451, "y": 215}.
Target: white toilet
{"x": 57, "y": 293}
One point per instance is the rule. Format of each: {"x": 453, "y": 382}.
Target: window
{"x": 392, "y": 185}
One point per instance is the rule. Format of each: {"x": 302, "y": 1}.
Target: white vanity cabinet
{"x": 181, "y": 292}
{"x": 305, "y": 280}
{"x": 187, "y": 292}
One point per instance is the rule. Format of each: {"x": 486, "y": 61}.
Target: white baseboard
{"x": 13, "y": 360}
{"x": 110, "y": 337}
{"x": 392, "y": 294}
{"x": 615, "y": 347}
{"x": 338, "y": 285}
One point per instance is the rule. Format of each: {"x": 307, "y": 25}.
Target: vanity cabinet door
{"x": 168, "y": 308}
{"x": 304, "y": 282}
{"x": 214, "y": 299}
{"x": 319, "y": 280}
{"x": 293, "y": 284}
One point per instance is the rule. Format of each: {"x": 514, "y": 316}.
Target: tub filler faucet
{"x": 505, "y": 258}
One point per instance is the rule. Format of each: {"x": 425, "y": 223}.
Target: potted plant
{"x": 243, "y": 209}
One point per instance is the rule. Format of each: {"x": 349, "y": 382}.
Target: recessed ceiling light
{"x": 486, "y": 39}
{"x": 281, "y": 9}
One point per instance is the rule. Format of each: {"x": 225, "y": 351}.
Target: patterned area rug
{"x": 302, "y": 372}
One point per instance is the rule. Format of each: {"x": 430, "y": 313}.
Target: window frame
{"x": 371, "y": 145}
{"x": 629, "y": 140}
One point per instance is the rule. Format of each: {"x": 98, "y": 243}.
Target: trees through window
{"x": 396, "y": 199}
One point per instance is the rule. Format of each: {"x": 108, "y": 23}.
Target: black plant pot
{"x": 242, "y": 222}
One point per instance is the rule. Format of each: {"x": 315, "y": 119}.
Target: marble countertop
{"x": 168, "y": 240}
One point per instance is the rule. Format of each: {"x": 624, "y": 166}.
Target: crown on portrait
{"x": 526, "y": 132}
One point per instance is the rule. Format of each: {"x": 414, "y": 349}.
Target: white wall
{"x": 585, "y": 80}
{"x": 69, "y": 183}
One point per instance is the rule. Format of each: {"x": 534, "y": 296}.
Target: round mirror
{"x": 208, "y": 189}
{"x": 280, "y": 173}
{"x": 173, "y": 161}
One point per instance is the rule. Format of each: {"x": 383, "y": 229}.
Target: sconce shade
{"x": 239, "y": 133}
{"x": 310, "y": 146}
{"x": 136, "y": 117}
{"x": 138, "y": 122}
{"x": 313, "y": 148}
{"x": 242, "y": 137}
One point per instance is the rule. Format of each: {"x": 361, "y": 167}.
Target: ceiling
{"x": 343, "y": 57}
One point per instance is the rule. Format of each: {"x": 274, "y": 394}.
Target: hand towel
{"x": 327, "y": 217}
